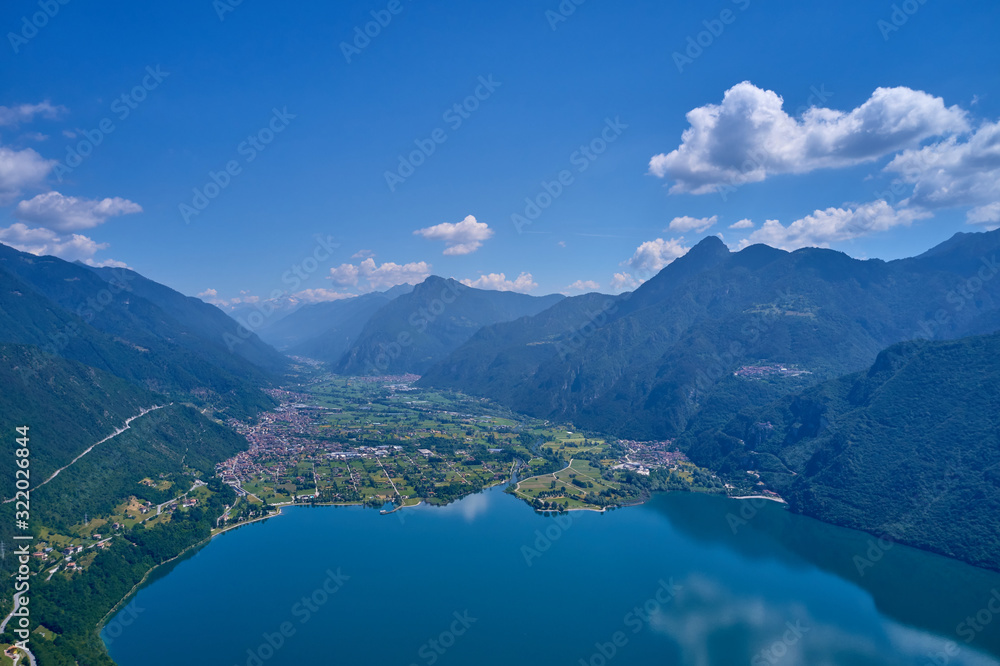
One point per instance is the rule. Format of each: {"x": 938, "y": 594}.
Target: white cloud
{"x": 695, "y": 224}
{"x": 988, "y": 215}
{"x": 584, "y": 285}
{"x": 742, "y": 224}
{"x": 247, "y": 297}
{"x": 389, "y": 274}
{"x": 21, "y": 169}
{"x": 72, "y": 247}
{"x": 379, "y": 277}
{"x": 321, "y": 295}
{"x": 460, "y": 238}
{"x": 652, "y": 256}
{"x": 15, "y": 115}
{"x": 499, "y": 282}
{"x": 211, "y": 296}
{"x": 620, "y": 281}
{"x": 954, "y": 173}
{"x": 346, "y": 275}
{"x": 62, "y": 213}
{"x": 749, "y": 136}
{"x": 362, "y": 254}
{"x": 823, "y": 227}
{"x": 105, "y": 263}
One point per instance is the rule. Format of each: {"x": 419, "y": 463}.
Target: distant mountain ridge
{"x": 415, "y": 330}
{"x": 661, "y": 359}
{"x": 117, "y": 321}
{"x": 324, "y": 331}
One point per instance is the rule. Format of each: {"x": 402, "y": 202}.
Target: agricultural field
{"x": 383, "y": 441}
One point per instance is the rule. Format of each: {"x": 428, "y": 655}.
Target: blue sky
{"x": 548, "y": 83}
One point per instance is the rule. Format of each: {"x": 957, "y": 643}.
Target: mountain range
{"x": 119, "y": 322}
{"x": 663, "y": 359}
{"x": 863, "y": 391}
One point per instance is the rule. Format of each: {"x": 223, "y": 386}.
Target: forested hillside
{"x": 70, "y": 311}
{"x": 908, "y": 449}
{"x": 661, "y": 360}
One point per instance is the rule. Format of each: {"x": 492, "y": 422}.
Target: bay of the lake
{"x": 684, "y": 579}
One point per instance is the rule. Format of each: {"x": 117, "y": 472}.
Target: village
{"x": 369, "y": 442}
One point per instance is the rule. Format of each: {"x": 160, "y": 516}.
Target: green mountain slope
{"x": 199, "y": 319}
{"x": 908, "y": 450}
{"x": 69, "y": 311}
{"x": 658, "y": 361}
{"x": 68, "y": 408}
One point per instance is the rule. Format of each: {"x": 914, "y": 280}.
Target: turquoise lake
{"x": 488, "y": 581}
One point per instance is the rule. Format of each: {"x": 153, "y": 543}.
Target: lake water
{"x": 487, "y": 581}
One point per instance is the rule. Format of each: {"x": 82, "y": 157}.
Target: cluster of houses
{"x": 758, "y": 371}
{"x": 651, "y": 454}
{"x": 44, "y": 554}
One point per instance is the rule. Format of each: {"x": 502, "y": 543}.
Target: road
{"x": 159, "y": 507}
{"x": 111, "y": 436}
{"x": 3, "y": 628}
{"x": 517, "y": 488}
{"x": 388, "y": 477}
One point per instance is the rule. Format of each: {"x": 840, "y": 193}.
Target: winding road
{"x": 127, "y": 425}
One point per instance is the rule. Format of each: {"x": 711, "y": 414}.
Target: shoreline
{"x": 281, "y": 507}
{"x": 779, "y": 500}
